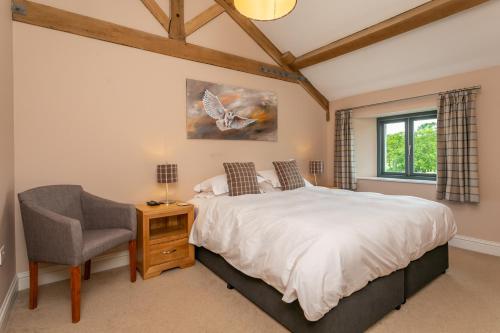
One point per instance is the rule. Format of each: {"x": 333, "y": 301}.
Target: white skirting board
{"x": 56, "y": 273}
{"x": 52, "y": 274}
{"x": 476, "y": 245}
{"x": 7, "y": 303}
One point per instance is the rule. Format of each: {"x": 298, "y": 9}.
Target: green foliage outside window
{"x": 424, "y": 154}
{"x": 395, "y": 155}
{"x": 425, "y": 148}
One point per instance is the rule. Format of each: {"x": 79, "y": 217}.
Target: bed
{"x": 323, "y": 260}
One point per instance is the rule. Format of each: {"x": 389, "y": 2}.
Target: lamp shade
{"x": 264, "y": 10}
{"x": 316, "y": 167}
{"x": 166, "y": 173}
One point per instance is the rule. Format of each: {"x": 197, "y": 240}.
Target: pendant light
{"x": 265, "y": 10}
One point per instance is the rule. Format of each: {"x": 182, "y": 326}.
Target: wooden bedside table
{"x": 162, "y": 238}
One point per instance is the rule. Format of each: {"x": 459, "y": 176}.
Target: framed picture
{"x": 222, "y": 112}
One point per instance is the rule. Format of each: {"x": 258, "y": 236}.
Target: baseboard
{"x": 56, "y": 273}
{"x": 10, "y": 296}
{"x": 476, "y": 245}
{"x": 52, "y": 274}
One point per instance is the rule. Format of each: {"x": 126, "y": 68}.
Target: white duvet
{"x": 319, "y": 245}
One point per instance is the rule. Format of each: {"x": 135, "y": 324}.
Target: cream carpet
{"x": 466, "y": 299}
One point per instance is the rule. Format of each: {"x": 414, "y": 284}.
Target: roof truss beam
{"x": 425, "y": 14}
{"x": 251, "y": 29}
{"x": 177, "y": 30}
{"x": 203, "y": 18}
{"x": 158, "y": 13}
{"x": 57, "y": 19}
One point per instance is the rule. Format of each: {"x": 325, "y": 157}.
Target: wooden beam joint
{"x": 177, "y": 30}
{"x": 18, "y": 8}
{"x": 288, "y": 58}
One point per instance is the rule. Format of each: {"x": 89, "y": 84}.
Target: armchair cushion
{"x": 97, "y": 241}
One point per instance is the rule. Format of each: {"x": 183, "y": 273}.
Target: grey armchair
{"x": 65, "y": 225}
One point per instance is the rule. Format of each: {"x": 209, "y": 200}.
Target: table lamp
{"x": 316, "y": 168}
{"x": 166, "y": 174}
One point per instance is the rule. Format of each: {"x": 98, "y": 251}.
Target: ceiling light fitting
{"x": 265, "y": 10}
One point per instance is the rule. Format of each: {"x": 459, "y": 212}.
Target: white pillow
{"x": 207, "y": 195}
{"x": 267, "y": 187}
{"x": 217, "y": 185}
{"x": 271, "y": 177}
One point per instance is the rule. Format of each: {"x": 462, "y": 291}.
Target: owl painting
{"x": 216, "y": 111}
{"x": 225, "y": 119}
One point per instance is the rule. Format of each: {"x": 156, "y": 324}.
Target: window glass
{"x": 407, "y": 146}
{"x": 425, "y": 146}
{"x": 394, "y": 150}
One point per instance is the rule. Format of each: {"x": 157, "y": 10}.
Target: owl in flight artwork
{"x": 222, "y": 112}
{"x": 225, "y": 119}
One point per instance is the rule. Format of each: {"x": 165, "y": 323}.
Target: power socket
{"x": 2, "y": 254}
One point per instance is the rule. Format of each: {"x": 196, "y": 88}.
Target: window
{"x": 407, "y": 146}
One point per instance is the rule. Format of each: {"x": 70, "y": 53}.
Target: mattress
{"x": 319, "y": 245}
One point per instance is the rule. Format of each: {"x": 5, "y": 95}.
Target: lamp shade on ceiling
{"x": 265, "y": 10}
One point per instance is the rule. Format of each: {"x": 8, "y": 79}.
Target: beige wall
{"x": 6, "y": 150}
{"x": 102, "y": 115}
{"x": 479, "y": 221}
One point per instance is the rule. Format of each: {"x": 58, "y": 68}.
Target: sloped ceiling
{"x": 460, "y": 43}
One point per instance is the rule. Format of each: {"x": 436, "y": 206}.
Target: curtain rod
{"x": 408, "y": 98}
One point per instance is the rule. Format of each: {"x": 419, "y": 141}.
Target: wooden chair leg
{"x": 75, "y": 293}
{"x": 132, "y": 251}
{"x": 86, "y": 272}
{"x": 33, "y": 284}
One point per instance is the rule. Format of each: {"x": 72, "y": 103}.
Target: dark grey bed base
{"x": 425, "y": 269}
{"x": 354, "y": 313}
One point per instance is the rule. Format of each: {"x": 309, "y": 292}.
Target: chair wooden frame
{"x": 75, "y": 281}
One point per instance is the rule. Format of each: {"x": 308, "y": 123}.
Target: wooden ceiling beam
{"x": 158, "y": 13}
{"x": 287, "y": 58}
{"x": 203, "y": 18}
{"x": 177, "y": 30}
{"x": 417, "y": 17}
{"x": 251, "y": 29}
{"x": 53, "y": 18}
{"x": 265, "y": 43}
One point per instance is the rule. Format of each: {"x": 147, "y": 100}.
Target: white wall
{"x": 7, "y": 238}
{"x": 102, "y": 115}
{"x": 474, "y": 220}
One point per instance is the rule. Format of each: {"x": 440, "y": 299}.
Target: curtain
{"x": 457, "y": 176}
{"x": 344, "y": 164}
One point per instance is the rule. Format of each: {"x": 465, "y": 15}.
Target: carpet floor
{"x": 466, "y": 299}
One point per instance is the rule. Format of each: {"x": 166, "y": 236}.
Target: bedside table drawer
{"x": 163, "y": 252}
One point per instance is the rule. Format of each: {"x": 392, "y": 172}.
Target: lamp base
{"x": 168, "y": 202}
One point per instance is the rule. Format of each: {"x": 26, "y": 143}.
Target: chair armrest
{"x": 101, "y": 213}
{"x": 51, "y": 237}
